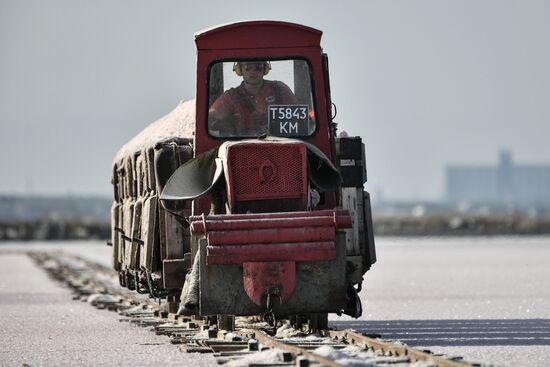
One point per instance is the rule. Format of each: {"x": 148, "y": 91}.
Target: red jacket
{"x": 241, "y": 113}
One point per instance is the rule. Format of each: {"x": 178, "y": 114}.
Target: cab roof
{"x": 258, "y": 34}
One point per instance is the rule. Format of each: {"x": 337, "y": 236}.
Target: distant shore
{"x": 439, "y": 225}
{"x": 459, "y": 225}
{"x": 48, "y": 229}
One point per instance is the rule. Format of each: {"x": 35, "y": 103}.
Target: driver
{"x": 242, "y": 111}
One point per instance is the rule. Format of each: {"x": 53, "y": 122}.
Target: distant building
{"x": 507, "y": 183}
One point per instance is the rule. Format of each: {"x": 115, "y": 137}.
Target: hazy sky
{"x": 425, "y": 83}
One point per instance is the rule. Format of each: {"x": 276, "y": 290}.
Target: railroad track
{"x": 252, "y": 343}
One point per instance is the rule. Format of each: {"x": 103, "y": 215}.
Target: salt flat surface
{"x": 93, "y": 250}
{"x": 484, "y": 298}
{"x": 42, "y": 326}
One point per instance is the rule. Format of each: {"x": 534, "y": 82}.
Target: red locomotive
{"x": 244, "y": 201}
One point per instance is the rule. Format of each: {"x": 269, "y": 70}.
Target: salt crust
{"x": 136, "y": 309}
{"x": 96, "y": 298}
{"x": 363, "y": 359}
{"x": 50, "y": 265}
{"x": 263, "y": 357}
{"x": 178, "y": 123}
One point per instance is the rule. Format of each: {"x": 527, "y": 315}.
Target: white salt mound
{"x": 178, "y": 123}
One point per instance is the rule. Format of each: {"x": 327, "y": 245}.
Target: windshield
{"x": 251, "y": 98}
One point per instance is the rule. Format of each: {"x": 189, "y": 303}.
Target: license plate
{"x": 288, "y": 120}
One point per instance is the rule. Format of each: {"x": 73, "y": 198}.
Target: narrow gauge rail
{"x": 98, "y": 285}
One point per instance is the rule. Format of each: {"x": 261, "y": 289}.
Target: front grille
{"x": 262, "y": 171}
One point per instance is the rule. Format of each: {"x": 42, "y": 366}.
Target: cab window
{"x": 252, "y": 98}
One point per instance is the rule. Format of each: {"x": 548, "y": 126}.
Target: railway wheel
{"x": 317, "y": 321}
{"x": 173, "y": 304}
{"x": 226, "y": 322}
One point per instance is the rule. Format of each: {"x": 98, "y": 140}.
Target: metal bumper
{"x": 243, "y": 256}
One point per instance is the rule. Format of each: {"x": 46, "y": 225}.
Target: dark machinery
{"x": 244, "y": 201}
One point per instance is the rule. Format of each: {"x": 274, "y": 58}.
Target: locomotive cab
{"x": 269, "y": 216}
